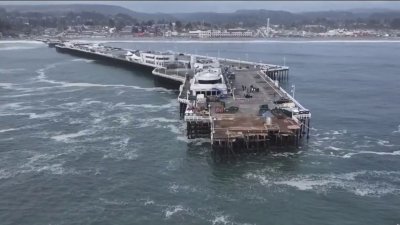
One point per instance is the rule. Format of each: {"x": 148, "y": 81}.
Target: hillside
{"x": 110, "y": 10}
{"x": 246, "y": 18}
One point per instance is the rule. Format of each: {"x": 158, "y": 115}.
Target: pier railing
{"x": 195, "y": 118}
{"x": 283, "y": 92}
{"x": 163, "y": 72}
{"x": 271, "y": 67}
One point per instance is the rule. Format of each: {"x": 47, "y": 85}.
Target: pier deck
{"x": 246, "y": 125}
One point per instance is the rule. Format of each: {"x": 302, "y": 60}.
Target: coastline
{"x": 214, "y": 40}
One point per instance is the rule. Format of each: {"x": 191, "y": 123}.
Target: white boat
{"x": 133, "y": 56}
{"x": 209, "y": 82}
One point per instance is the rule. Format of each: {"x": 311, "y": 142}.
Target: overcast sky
{"x": 230, "y": 6}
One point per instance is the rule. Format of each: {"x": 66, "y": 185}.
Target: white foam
{"x": 200, "y": 141}
{"x": 221, "y": 219}
{"x": 174, "y": 129}
{"x": 67, "y": 137}
{"x": 15, "y": 106}
{"x": 40, "y": 162}
{"x": 63, "y": 84}
{"x": 149, "y": 202}
{"x": 173, "y": 210}
{"x": 384, "y": 143}
{"x": 358, "y": 183}
{"x": 121, "y": 150}
{"x": 363, "y": 146}
{"x": 183, "y": 139}
{"x": 146, "y": 106}
{"x": 7, "y": 130}
{"x": 124, "y": 120}
{"x": 175, "y": 188}
{"x": 33, "y": 115}
{"x": 260, "y": 178}
{"x": 83, "y": 60}
{"x": 304, "y": 184}
{"x": 54, "y": 169}
{"x": 21, "y": 42}
{"x": 11, "y": 48}
{"x": 157, "y": 122}
{"x": 397, "y": 131}
{"x": 162, "y": 119}
{"x": 7, "y": 85}
{"x": 11, "y": 71}
{"x": 328, "y": 138}
{"x": 120, "y": 92}
{"x": 334, "y": 148}
{"x": 113, "y": 202}
{"x": 19, "y": 128}
{"x": 286, "y": 154}
{"x": 197, "y": 141}
{"x": 349, "y": 155}
{"x": 339, "y": 132}
{"x": 43, "y": 115}
{"x": 4, "y": 174}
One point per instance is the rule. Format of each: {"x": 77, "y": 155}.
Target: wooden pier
{"x": 257, "y": 113}
{"x": 245, "y": 129}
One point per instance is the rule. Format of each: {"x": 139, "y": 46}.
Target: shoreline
{"x": 215, "y": 40}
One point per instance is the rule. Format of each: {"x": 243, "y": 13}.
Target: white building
{"x": 237, "y": 32}
{"x": 200, "y": 33}
{"x": 159, "y": 59}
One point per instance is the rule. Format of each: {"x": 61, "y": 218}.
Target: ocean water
{"x": 82, "y": 142}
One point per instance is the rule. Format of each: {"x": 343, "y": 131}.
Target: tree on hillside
{"x": 4, "y": 25}
{"x": 111, "y": 23}
{"x": 189, "y": 26}
{"x": 395, "y": 24}
{"x": 178, "y": 25}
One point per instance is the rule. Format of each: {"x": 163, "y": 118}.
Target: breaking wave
{"x": 19, "y": 45}
{"x": 121, "y": 151}
{"x": 349, "y": 155}
{"x": 42, "y": 77}
{"x": 397, "y": 131}
{"x": 172, "y": 210}
{"x": 83, "y": 60}
{"x": 358, "y": 183}
{"x": 21, "y": 42}
{"x": 67, "y": 137}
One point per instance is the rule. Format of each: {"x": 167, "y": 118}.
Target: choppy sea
{"x": 82, "y": 142}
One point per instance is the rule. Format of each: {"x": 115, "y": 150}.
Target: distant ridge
{"x": 246, "y": 17}
{"x": 77, "y": 8}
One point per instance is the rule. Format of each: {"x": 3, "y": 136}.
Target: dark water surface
{"x": 86, "y": 143}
